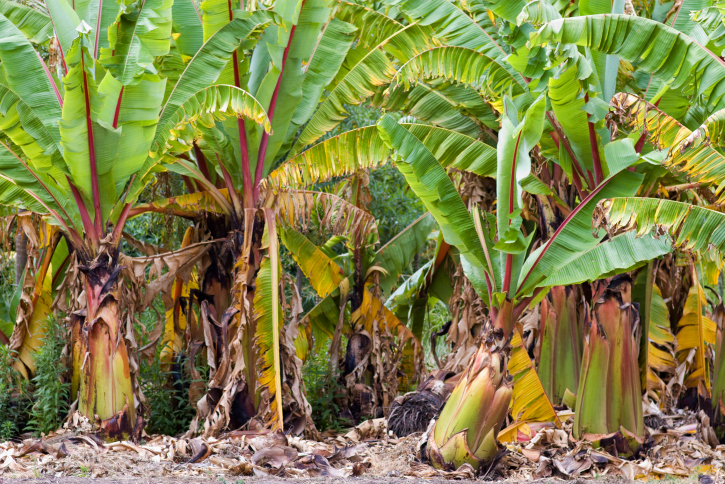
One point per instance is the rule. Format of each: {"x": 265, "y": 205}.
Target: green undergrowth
{"x": 40, "y": 405}
{"x": 50, "y": 392}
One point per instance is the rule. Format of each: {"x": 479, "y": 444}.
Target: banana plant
{"x": 363, "y": 277}
{"x": 502, "y": 267}
{"x": 78, "y": 153}
{"x": 312, "y": 57}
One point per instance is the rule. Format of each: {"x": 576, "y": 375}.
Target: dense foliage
{"x": 299, "y": 214}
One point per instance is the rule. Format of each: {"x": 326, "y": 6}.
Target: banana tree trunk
{"x": 101, "y": 375}
{"x": 609, "y": 398}
{"x": 561, "y": 342}
{"x": 228, "y": 325}
{"x": 467, "y": 429}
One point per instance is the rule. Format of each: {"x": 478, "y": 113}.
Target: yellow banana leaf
{"x": 175, "y": 326}
{"x": 530, "y": 404}
{"x": 324, "y": 275}
{"x": 190, "y": 205}
{"x": 660, "y": 352}
{"x": 695, "y": 331}
{"x": 268, "y": 321}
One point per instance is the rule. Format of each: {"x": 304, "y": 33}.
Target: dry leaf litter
{"x": 675, "y": 449}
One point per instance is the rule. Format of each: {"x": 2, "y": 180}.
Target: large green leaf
{"x": 441, "y": 103}
{"x": 567, "y": 102}
{"x": 692, "y": 228}
{"x": 81, "y": 130}
{"x": 325, "y": 62}
{"x": 429, "y": 180}
{"x": 137, "y": 116}
{"x": 537, "y": 12}
{"x": 459, "y": 64}
{"x": 507, "y": 9}
{"x": 12, "y": 195}
{"x": 65, "y": 22}
{"x": 35, "y": 191}
{"x": 25, "y": 128}
{"x": 619, "y": 254}
{"x": 140, "y": 33}
{"x": 98, "y": 134}
{"x": 397, "y": 255}
{"x": 574, "y": 235}
{"x": 204, "y": 69}
{"x": 370, "y": 72}
{"x": 363, "y": 148}
{"x": 187, "y": 23}
{"x": 282, "y": 87}
{"x": 455, "y": 28}
{"x": 651, "y": 46}
{"x": 516, "y": 140}
{"x": 34, "y": 24}
{"x": 213, "y": 103}
{"x": 29, "y": 79}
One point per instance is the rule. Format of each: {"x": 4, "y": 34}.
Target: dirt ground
{"x": 320, "y": 480}
{"x": 672, "y": 456}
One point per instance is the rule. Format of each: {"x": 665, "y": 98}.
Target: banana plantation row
{"x": 568, "y": 154}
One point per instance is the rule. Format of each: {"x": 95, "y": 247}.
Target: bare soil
{"x": 319, "y": 480}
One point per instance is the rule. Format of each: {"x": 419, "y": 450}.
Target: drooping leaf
{"x": 694, "y": 332}
{"x": 29, "y": 334}
{"x": 363, "y": 148}
{"x": 33, "y": 23}
{"x": 459, "y": 64}
{"x": 455, "y": 27}
{"x": 209, "y": 105}
{"x": 29, "y": 79}
{"x": 692, "y": 227}
{"x": 373, "y": 70}
{"x": 205, "y": 68}
{"x": 538, "y": 12}
{"x": 619, "y": 254}
{"x": 431, "y": 183}
{"x": 297, "y": 208}
{"x": 322, "y": 272}
{"x": 175, "y": 323}
{"x": 574, "y": 235}
{"x": 268, "y": 316}
{"x": 648, "y": 45}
